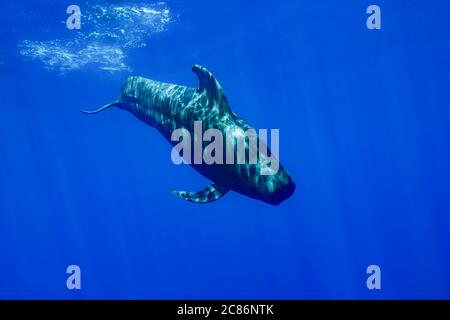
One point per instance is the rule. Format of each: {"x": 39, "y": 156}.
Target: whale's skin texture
{"x": 168, "y": 107}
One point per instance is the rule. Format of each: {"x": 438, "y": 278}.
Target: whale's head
{"x": 275, "y": 188}
{"x": 260, "y": 182}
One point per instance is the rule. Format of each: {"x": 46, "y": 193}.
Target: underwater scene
{"x": 224, "y": 149}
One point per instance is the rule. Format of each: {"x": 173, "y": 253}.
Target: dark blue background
{"x": 364, "y": 130}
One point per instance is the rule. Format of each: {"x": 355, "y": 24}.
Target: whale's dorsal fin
{"x": 209, "y": 194}
{"x": 208, "y": 83}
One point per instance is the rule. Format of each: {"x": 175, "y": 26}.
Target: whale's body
{"x": 168, "y": 107}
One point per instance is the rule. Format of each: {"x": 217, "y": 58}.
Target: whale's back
{"x": 154, "y": 102}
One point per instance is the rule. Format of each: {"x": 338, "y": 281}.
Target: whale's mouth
{"x": 282, "y": 194}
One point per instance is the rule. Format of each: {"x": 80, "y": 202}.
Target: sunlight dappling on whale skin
{"x": 170, "y": 108}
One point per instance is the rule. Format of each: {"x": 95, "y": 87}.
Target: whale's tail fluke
{"x": 114, "y": 104}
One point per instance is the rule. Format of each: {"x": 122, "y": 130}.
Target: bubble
{"x": 107, "y": 33}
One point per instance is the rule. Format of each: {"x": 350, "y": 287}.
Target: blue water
{"x": 364, "y": 130}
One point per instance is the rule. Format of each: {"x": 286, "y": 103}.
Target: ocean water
{"x": 364, "y": 130}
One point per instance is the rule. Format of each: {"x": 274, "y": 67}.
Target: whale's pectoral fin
{"x": 209, "y": 194}
{"x": 208, "y": 83}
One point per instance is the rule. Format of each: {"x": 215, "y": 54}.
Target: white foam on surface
{"x": 108, "y": 32}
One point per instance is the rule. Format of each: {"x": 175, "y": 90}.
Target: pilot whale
{"x": 168, "y": 107}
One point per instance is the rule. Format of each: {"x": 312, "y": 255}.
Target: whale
{"x": 169, "y": 107}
